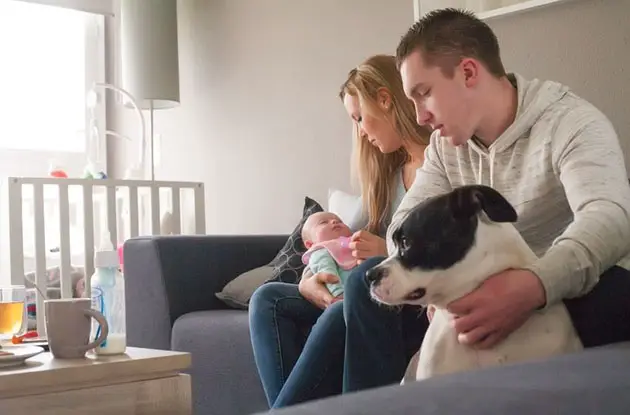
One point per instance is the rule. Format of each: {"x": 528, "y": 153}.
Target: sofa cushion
{"x": 345, "y": 205}
{"x": 225, "y": 380}
{"x": 287, "y": 265}
{"x": 237, "y": 292}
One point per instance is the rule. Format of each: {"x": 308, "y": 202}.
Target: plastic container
{"x": 108, "y": 297}
{"x": 121, "y": 259}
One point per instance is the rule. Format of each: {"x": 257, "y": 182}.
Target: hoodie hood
{"x": 534, "y": 98}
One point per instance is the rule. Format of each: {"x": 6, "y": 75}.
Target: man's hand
{"x": 499, "y": 306}
{"x": 315, "y": 291}
{"x": 365, "y": 245}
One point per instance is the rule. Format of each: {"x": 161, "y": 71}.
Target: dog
{"x": 445, "y": 247}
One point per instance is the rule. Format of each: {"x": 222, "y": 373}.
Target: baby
{"x": 326, "y": 237}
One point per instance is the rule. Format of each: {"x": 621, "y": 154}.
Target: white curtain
{"x": 104, "y": 7}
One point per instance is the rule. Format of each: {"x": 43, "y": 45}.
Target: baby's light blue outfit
{"x": 322, "y": 261}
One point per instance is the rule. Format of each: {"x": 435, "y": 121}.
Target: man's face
{"x": 443, "y": 103}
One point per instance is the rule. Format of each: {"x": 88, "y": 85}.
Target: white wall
{"x": 260, "y": 121}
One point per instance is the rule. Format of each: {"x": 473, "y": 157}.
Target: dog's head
{"x": 439, "y": 244}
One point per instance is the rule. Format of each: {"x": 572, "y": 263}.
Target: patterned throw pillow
{"x": 287, "y": 265}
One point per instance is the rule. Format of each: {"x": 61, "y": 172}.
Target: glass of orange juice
{"x": 13, "y": 320}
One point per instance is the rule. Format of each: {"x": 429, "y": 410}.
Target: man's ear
{"x": 468, "y": 201}
{"x": 470, "y": 70}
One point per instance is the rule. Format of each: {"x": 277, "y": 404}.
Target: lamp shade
{"x": 150, "y": 57}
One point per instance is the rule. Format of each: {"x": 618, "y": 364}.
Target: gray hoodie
{"x": 561, "y": 166}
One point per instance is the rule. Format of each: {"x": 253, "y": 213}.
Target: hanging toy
{"x": 90, "y": 172}
{"x": 58, "y": 172}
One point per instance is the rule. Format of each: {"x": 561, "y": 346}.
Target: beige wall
{"x": 260, "y": 122}
{"x": 583, "y": 43}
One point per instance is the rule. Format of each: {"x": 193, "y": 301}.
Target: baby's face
{"x": 324, "y": 226}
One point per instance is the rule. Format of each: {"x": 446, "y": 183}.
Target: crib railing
{"x": 62, "y": 221}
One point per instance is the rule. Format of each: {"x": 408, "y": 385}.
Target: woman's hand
{"x": 314, "y": 289}
{"x": 365, "y": 245}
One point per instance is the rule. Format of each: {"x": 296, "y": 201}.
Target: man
{"x": 553, "y": 155}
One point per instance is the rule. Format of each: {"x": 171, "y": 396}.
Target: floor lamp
{"x": 150, "y": 57}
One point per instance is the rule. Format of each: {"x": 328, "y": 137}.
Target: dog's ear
{"x": 468, "y": 201}
{"x": 397, "y": 235}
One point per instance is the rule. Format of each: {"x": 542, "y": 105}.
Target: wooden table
{"x": 141, "y": 381}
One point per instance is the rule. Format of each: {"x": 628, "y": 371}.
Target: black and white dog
{"x": 445, "y": 248}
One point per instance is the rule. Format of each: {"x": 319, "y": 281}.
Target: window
{"x": 51, "y": 56}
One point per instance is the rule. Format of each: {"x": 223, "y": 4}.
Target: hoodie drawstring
{"x": 480, "y": 181}
{"x": 491, "y": 162}
{"x": 534, "y": 98}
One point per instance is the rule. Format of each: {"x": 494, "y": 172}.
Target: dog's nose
{"x": 374, "y": 275}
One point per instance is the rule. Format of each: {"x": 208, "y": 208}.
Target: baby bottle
{"x": 108, "y": 297}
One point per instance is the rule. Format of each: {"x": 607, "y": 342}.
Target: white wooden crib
{"x": 51, "y": 222}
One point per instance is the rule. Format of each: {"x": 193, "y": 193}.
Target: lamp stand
{"x": 139, "y": 169}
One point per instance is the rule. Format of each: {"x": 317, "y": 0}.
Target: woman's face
{"x": 378, "y": 130}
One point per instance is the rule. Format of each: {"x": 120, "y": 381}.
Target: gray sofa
{"x": 171, "y": 281}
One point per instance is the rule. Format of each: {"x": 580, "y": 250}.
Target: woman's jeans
{"x": 280, "y": 322}
{"x": 358, "y": 344}
{"x": 300, "y": 350}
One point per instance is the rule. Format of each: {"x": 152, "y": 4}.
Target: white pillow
{"x": 344, "y": 205}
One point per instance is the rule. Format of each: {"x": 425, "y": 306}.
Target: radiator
{"x": 51, "y": 222}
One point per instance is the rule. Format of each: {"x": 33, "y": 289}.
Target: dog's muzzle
{"x": 376, "y": 275}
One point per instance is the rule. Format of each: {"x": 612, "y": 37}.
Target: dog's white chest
{"x": 545, "y": 334}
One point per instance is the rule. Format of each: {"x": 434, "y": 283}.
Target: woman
{"x": 298, "y": 333}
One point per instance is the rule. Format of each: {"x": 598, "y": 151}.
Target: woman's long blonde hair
{"x": 374, "y": 170}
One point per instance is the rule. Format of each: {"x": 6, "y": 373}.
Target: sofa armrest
{"x": 168, "y": 276}
{"x": 594, "y": 381}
